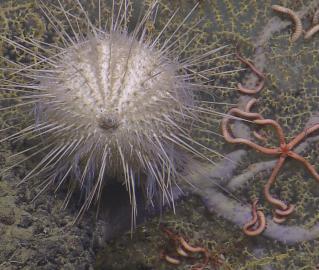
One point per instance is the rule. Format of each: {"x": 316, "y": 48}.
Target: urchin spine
{"x": 114, "y": 104}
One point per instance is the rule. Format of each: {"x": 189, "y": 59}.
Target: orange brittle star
{"x": 284, "y": 151}
{"x": 257, "y": 72}
{"x": 258, "y": 222}
{"x": 182, "y": 248}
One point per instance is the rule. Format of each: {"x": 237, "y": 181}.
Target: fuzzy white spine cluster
{"x": 114, "y": 104}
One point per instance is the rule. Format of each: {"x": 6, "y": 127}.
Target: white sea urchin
{"x": 111, "y": 103}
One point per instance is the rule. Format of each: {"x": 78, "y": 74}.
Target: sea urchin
{"x": 111, "y": 103}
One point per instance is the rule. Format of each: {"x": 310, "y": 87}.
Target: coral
{"x": 291, "y": 97}
{"x": 284, "y": 151}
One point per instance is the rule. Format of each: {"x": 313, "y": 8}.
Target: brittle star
{"x": 182, "y": 248}
{"x": 257, "y": 72}
{"x": 257, "y": 224}
{"x": 284, "y": 150}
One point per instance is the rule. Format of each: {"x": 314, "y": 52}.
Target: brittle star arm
{"x": 246, "y": 90}
{"x": 277, "y": 127}
{"x": 303, "y": 135}
{"x": 229, "y": 138}
{"x": 248, "y": 106}
{"x": 258, "y": 220}
{"x": 237, "y": 213}
{"x": 250, "y": 65}
{"x": 261, "y": 76}
{"x": 310, "y": 167}
{"x": 276, "y": 202}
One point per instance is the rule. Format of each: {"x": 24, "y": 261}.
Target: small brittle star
{"x": 258, "y": 222}
{"x": 284, "y": 150}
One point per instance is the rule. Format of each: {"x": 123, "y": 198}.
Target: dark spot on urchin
{"x": 108, "y": 122}
{"x": 151, "y": 94}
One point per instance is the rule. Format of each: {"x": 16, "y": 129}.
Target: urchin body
{"x": 114, "y": 98}
{"x": 115, "y": 104}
